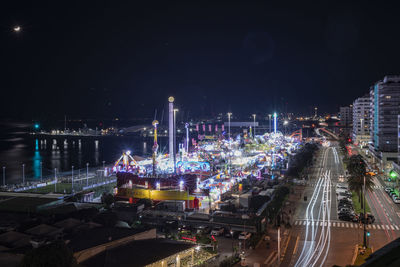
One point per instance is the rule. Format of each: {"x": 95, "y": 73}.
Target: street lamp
{"x": 229, "y": 125}
{"x": 87, "y": 174}
{"x": 41, "y": 171}
{"x": 269, "y": 116}
{"x": 72, "y": 179}
{"x": 254, "y": 127}
{"x": 229, "y": 135}
{"x": 4, "y": 176}
{"x": 23, "y": 174}
{"x": 174, "y": 148}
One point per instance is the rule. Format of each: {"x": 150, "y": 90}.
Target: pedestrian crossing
{"x": 339, "y": 224}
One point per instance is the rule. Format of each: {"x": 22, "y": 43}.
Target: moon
{"x": 17, "y": 29}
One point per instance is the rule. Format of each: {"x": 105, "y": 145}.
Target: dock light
{"x": 36, "y": 126}
{"x": 368, "y": 234}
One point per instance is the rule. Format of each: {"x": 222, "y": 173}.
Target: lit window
{"x": 388, "y": 97}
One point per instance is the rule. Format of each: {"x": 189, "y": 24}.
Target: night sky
{"x": 123, "y": 60}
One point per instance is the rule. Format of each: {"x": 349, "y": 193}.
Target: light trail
{"x": 311, "y": 254}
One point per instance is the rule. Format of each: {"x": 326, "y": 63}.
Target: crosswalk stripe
{"x": 387, "y": 226}
{"x": 378, "y": 227}
{"x": 373, "y": 226}
{"x": 391, "y": 226}
{"x": 342, "y": 225}
{"x": 304, "y": 223}
{"x": 351, "y": 225}
{"x": 397, "y": 228}
{"x": 334, "y": 224}
{"x": 296, "y": 222}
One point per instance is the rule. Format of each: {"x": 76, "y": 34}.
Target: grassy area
{"x": 361, "y": 258}
{"x": 50, "y": 189}
{"x": 357, "y": 204}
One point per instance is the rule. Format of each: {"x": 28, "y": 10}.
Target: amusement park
{"x": 203, "y": 170}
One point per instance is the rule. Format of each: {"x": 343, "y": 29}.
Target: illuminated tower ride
{"x": 155, "y": 146}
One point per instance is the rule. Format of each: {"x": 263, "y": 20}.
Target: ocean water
{"x": 18, "y": 147}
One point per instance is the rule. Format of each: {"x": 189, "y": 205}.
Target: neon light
{"x": 274, "y": 122}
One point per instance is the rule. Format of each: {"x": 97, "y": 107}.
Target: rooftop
{"x": 138, "y": 253}
{"x": 100, "y": 235}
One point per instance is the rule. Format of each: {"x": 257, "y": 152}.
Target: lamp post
{"x": 254, "y": 127}
{"x": 87, "y": 174}
{"x": 4, "y": 176}
{"x": 41, "y": 171}
{"x": 269, "y": 116}
{"x": 72, "y": 180}
{"x": 55, "y": 180}
{"x": 23, "y": 174}
{"x": 365, "y": 216}
{"x": 229, "y": 126}
{"x": 175, "y": 110}
{"x": 229, "y": 136}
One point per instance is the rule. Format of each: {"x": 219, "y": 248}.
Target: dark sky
{"x": 93, "y": 59}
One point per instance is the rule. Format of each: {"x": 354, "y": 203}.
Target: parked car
{"x": 232, "y": 234}
{"x": 341, "y": 197}
{"x": 369, "y": 220}
{"x": 388, "y": 189}
{"x": 396, "y": 199}
{"x": 244, "y": 235}
{"x": 347, "y": 217}
{"x": 217, "y": 231}
{"x": 202, "y": 229}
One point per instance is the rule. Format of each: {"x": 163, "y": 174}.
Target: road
{"x": 318, "y": 238}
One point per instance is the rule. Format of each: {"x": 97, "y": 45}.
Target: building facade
{"x": 385, "y": 108}
{"x": 346, "y": 116}
{"x": 361, "y": 121}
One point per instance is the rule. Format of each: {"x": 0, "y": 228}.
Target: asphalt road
{"x": 318, "y": 238}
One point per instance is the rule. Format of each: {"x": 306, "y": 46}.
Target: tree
{"x": 56, "y": 254}
{"x": 357, "y": 170}
{"x": 107, "y": 199}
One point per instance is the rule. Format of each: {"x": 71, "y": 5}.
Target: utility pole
{"x": 72, "y": 180}
{"x": 4, "y": 176}
{"x": 55, "y": 180}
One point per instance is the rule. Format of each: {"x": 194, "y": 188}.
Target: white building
{"x": 362, "y": 121}
{"x": 385, "y": 108}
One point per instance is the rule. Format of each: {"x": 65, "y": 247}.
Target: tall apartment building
{"x": 361, "y": 120}
{"x": 346, "y": 116}
{"x": 385, "y": 108}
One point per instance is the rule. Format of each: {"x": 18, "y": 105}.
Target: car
{"x": 369, "y": 220}
{"x": 396, "y": 199}
{"x": 347, "y": 210}
{"x": 202, "y": 229}
{"x": 341, "y": 197}
{"x": 244, "y": 235}
{"x": 217, "y": 231}
{"x": 388, "y": 189}
{"x": 346, "y": 217}
{"x": 392, "y": 193}
{"x": 232, "y": 234}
